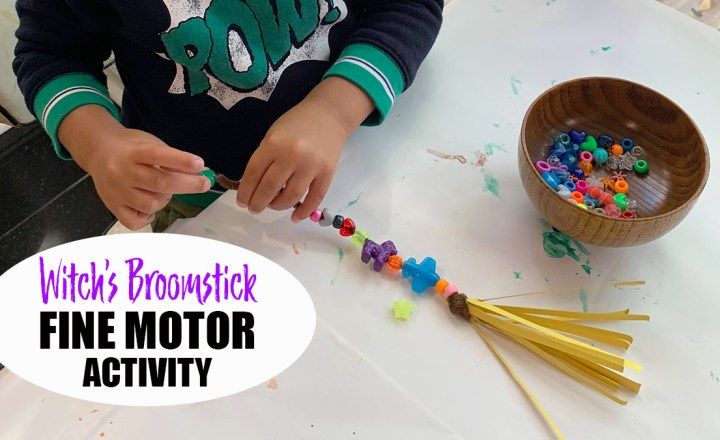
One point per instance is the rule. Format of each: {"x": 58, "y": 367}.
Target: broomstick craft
{"x": 556, "y": 336}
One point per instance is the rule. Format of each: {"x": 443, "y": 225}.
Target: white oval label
{"x": 151, "y": 319}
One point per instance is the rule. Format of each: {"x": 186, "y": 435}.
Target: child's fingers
{"x": 131, "y": 218}
{"x": 271, "y": 184}
{"x": 315, "y": 196}
{"x": 295, "y": 188}
{"x": 167, "y": 182}
{"x": 146, "y": 202}
{"x": 254, "y": 172}
{"x": 168, "y": 157}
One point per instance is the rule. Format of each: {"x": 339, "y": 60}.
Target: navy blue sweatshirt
{"x": 211, "y": 76}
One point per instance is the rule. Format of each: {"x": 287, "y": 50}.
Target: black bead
{"x": 605, "y": 141}
{"x": 338, "y": 221}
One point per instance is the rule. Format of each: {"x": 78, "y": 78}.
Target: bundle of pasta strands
{"x": 559, "y": 338}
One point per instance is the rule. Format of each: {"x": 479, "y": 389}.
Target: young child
{"x": 241, "y": 86}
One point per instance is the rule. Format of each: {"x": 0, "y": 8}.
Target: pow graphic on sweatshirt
{"x": 236, "y": 49}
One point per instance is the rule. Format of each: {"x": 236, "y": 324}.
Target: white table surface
{"x": 433, "y": 377}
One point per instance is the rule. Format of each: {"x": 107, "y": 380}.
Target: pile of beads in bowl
{"x": 573, "y": 158}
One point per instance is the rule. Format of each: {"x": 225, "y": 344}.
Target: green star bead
{"x": 402, "y": 309}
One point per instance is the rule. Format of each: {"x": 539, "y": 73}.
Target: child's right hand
{"x": 135, "y": 173}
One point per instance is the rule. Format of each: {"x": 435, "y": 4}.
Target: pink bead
{"x": 316, "y": 215}
{"x": 449, "y": 290}
{"x": 581, "y": 186}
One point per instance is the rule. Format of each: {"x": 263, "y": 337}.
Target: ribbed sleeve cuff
{"x": 375, "y": 73}
{"x": 63, "y": 94}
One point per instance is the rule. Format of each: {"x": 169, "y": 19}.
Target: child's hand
{"x": 301, "y": 150}
{"x": 135, "y": 173}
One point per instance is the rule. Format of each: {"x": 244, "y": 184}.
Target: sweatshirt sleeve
{"x": 382, "y": 56}
{"x": 59, "y": 63}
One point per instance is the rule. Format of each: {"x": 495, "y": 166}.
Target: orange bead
{"x": 577, "y": 196}
{"x": 609, "y": 184}
{"x": 621, "y": 186}
{"x": 586, "y": 167}
{"x": 395, "y": 262}
{"x": 617, "y": 150}
{"x": 441, "y": 285}
{"x": 606, "y": 198}
{"x": 594, "y": 191}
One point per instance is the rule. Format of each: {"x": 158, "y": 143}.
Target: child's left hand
{"x": 301, "y": 150}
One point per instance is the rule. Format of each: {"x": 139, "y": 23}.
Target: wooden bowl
{"x": 674, "y": 148}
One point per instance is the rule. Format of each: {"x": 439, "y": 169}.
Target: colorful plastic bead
{"x": 600, "y": 155}
{"x": 402, "y": 309}
{"x": 577, "y": 137}
{"x": 618, "y": 175}
{"x": 638, "y": 151}
{"x": 441, "y": 285}
{"x": 379, "y": 253}
{"x": 586, "y": 167}
{"x": 612, "y": 162}
{"x": 423, "y": 274}
{"x": 621, "y": 201}
{"x": 563, "y": 139}
{"x": 542, "y": 166}
{"x": 577, "y": 172}
{"x": 612, "y": 210}
{"x": 558, "y": 150}
{"x": 395, "y": 262}
{"x": 347, "y": 228}
{"x": 338, "y": 221}
{"x": 551, "y": 180}
{"x": 316, "y": 215}
{"x": 360, "y": 237}
{"x": 581, "y": 186}
{"x": 449, "y": 290}
{"x": 577, "y": 196}
{"x": 632, "y": 205}
{"x": 627, "y": 161}
{"x": 641, "y": 166}
{"x": 561, "y": 174}
{"x": 599, "y": 210}
{"x": 563, "y": 191}
{"x": 628, "y": 214}
{"x": 582, "y": 206}
{"x": 326, "y": 218}
{"x": 616, "y": 150}
{"x": 569, "y": 184}
{"x": 594, "y": 191}
{"x": 210, "y": 174}
{"x": 627, "y": 144}
{"x": 569, "y": 161}
{"x": 586, "y": 156}
{"x": 589, "y": 203}
{"x": 594, "y": 181}
{"x": 604, "y": 141}
{"x": 621, "y": 186}
{"x": 589, "y": 144}
{"x": 606, "y": 198}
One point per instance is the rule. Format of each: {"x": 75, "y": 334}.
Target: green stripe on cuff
{"x": 63, "y": 94}
{"x": 375, "y": 73}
